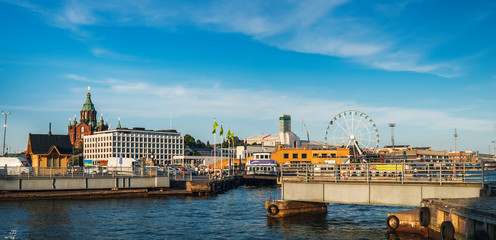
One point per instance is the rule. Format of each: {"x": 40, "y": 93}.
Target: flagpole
{"x": 233, "y": 151}
{"x": 215, "y": 153}
{"x": 228, "y": 151}
{"x": 231, "y": 157}
{"x": 215, "y": 143}
{"x": 221, "y": 141}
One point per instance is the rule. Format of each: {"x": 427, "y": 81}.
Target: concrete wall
{"x": 380, "y": 194}
{"x": 37, "y": 184}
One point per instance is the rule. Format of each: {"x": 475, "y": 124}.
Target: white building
{"x": 242, "y": 153}
{"x": 284, "y": 137}
{"x": 160, "y": 146}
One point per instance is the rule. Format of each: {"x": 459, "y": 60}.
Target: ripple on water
{"x": 236, "y": 214}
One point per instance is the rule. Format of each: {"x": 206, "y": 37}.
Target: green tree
{"x": 189, "y": 141}
{"x": 200, "y": 144}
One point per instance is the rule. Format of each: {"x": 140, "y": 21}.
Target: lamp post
{"x": 392, "y": 125}
{"x": 494, "y": 149}
{"x": 455, "y": 135}
{"x": 4, "y": 131}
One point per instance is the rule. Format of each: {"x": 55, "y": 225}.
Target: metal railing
{"x": 439, "y": 173}
{"x": 77, "y": 171}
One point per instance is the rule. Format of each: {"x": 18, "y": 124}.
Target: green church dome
{"x": 88, "y": 105}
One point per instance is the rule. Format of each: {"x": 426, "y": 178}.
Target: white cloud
{"x": 393, "y": 9}
{"x": 317, "y": 27}
{"x": 76, "y": 77}
{"x": 104, "y": 53}
{"x": 77, "y": 13}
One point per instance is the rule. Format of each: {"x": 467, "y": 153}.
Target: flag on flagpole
{"x": 215, "y": 126}
{"x": 230, "y": 135}
{"x": 221, "y": 132}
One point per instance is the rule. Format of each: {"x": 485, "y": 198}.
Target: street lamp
{"x": 456, "y": 146}
{"x": 494, "y": 148}
{"x": 392, "y": 125}
{"x": 4, "y": 131}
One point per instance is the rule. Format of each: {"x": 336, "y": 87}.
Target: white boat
{"x": 262, "y": 165}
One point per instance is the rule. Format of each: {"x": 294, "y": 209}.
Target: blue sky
{"x": 428, "y": 66}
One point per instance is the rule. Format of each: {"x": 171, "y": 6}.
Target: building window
{"x": 82, "y": 129}
{"x": 303, "y": 155}
{"x": 286, "y": 155}
{"x": 295, "y": 155}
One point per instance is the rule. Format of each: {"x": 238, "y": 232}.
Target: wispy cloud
{"x": 310, "y": 26}
{"x": 394, "y": 8}
{"x": 78, "y": 14}
{"x": 76, "y": 77}
{"x": 83, "y": 79}
{"x": 104, "y": 53}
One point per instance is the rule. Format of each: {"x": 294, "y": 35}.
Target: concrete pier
{"x": 284, "y": 208}
{"x": 82, "y": 183}
{"x": 108, "y": 187}
{"x": 456, "y": 218}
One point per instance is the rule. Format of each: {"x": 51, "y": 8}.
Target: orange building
{"x": 87, "y": 124}
{"x": 299, "y": 155}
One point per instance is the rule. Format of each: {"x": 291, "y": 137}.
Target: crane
{"x": 306, "y": 129}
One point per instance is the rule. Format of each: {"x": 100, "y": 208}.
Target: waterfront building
{"x": 87, "y": 124}
{"x": 285, "y": 136}
{"x": 463, "y": 156}
{"x": 310, "y": 155}
{"x": 408, "y": 153}
{"x": 159, "y": 146}
{"x": 243, "y": 152}
{"x": 49, "y": 151}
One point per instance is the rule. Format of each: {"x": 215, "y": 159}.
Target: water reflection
{"x": 236, "y": 214}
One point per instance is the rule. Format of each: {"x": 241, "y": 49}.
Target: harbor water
{"x": 235, "y": 214}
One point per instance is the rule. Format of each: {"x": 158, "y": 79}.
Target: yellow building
{"x": 49, "y": 153}
{"x": 309, "y": 155}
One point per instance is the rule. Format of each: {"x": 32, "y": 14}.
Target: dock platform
{"x": 184, "y": 188}
{"x": 452, "y": 218}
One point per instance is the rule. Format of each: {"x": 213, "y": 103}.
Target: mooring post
{"x": 306, "y": 172}
{"x": 335, "y": 173}
{"x": 367, "y": 169}
{"x": 482, "y": 165}
{"x": 441, "y": 174}
{"x": 282, "y": 168}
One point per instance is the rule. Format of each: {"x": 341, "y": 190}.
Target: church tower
{"x": 88, "y": 112}
{"x": 87, "y": 124}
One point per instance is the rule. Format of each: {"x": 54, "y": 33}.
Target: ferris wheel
{"x": 353, "y": 128}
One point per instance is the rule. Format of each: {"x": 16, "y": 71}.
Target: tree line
{"x": 190, "y": 141}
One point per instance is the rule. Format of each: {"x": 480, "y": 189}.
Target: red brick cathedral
{"x": 87, "y": 124}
